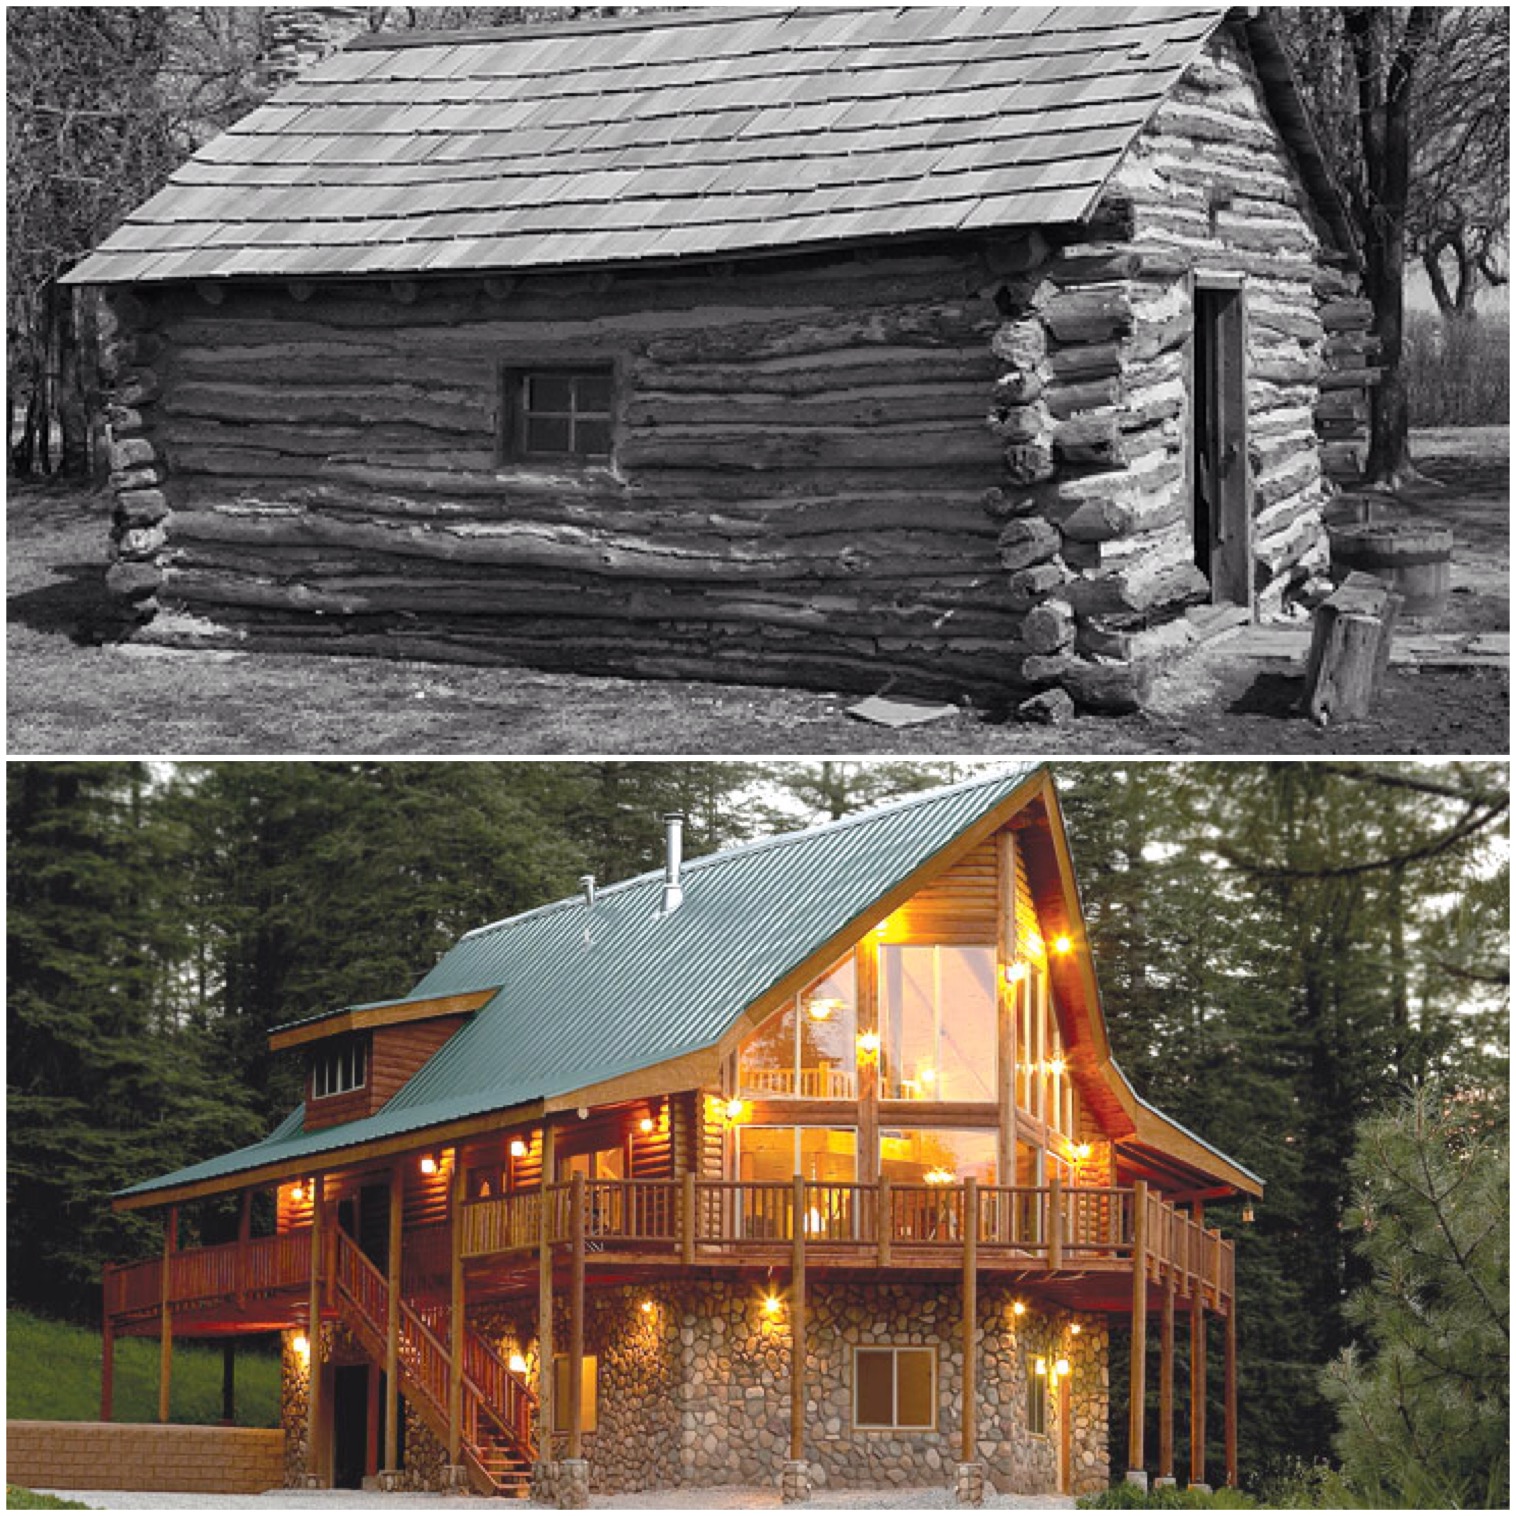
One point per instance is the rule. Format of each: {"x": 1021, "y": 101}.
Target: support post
{"x": 545, "y": 1374}
{"x": 797, "y": 1323}
{"x": 1055, "y": 1222}
{"x": 107, "y": 1362}
{"x": 166, "y": 1321}
{"x": 313, "y": 1337}
{"x": 1197, "y": 1388}
{"x": 392, "y": 1320}
{"x": 1137, "y": 1405}
{"x": 885, "y": 1220}
{"x": 455, "y": 1317}
{"x": 576, "y": 1318}
{"x": 969, "y": 1451}
{"x": 1007, "y": 997}
{"x": 1165, "y": 1473}
{"x": 1229, "y": 1405}
{"x": 229, "y": 1382}
{"x": 687, "y": 1219}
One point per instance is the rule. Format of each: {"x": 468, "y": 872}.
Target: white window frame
{"x": 895, "y": 1349}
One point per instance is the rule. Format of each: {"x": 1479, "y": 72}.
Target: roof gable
{"x": 706, "y": 133}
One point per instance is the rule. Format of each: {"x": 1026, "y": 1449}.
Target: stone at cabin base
{"x": 573, "y": 1484}
{"x": 795, "y": 1481}
{"x": 968, "y": 1484}
{"x": 1139, "y": 1477}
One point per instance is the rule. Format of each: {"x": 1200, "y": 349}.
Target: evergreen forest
{"x": 1307, "y": 964}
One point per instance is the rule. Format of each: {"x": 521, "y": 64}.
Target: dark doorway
{"x": 374, "y": 1224}
{"x": 350, "y": 1401}
{"x": 1222, "y": 515}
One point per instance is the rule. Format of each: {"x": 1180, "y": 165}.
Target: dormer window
{"x": 336, "y": 1070}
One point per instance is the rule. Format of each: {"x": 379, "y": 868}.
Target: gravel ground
{"x": 668, "y": 1500}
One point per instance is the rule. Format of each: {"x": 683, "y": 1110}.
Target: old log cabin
{"x": 805, "y": 1162}
{"x": 988, "y": 350}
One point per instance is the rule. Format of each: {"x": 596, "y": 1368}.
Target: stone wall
{"x": 695, "y": 1391}
{"x": 90, "y": 1455}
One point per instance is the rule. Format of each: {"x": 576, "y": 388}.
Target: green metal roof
{"x": 587, "y": 995}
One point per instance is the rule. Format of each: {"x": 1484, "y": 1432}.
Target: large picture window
{"x": 894, "y": 1389}
{"x": 809, "y": 1049}
{"x": 562, "y": 413}
{"x": 769, "y": 1157}
{"x": 937, "y": 1012}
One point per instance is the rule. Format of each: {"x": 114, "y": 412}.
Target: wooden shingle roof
{"x": 679, "y": 134}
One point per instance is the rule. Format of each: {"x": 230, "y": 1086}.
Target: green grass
{"x": 17, "y": 1499}
{"x": 52, "y": 1373}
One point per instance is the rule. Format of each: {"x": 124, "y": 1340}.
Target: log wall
{"x": 801, "y": 451}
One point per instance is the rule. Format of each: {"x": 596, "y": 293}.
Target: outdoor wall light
{"x": 770, "y": 1305}
{"x": 428, "y": 1163}
{"x": 645, "y": 1125}
{"x": 518, "y": 1148}
{"x": 1075, "y": 1329}
{"x": 1018, "y": 1308}
{"x": 1060, "y": 1368}
{"x": 1083, "y": 1151}
{"x": 516, "y": 1363}
{"x": 1247, "y": 1214}
{"x": 297, "y": 1192}
{"x": 1062, "y": 944}
{"x": 1040, "y": 1367}
{"x": 647, "y": 1307}
{"x": 302, "y": 1346}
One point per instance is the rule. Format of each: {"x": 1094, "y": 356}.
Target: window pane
{"x": 593, "y": 393}
{"x": 767, "y": 1064}
{"x": 909, "y": 1154}
{"x": 765, "y": 1153}
{"x": 592, "y": 439}
{"x": 829, "y": 1036}
{"x": 913, "y": 1387}
{"x": 967, "y": 1045}
{"x": 547, "y": 434}
{"x": 550, "y": 392}
{"x": 873, "y": 1403}
{"x": 908, "y": 993}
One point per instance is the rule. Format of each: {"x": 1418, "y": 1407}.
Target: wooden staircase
{"x": 497, "y": 1405}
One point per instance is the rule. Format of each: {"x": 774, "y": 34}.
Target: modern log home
{"x": 803, "y": 1163}
{"x": 992, "y": 349}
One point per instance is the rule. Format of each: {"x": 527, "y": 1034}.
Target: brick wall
{"x": 91, "y": 1455}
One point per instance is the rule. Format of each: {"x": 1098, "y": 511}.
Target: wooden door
{"x": 1222, "y": 485}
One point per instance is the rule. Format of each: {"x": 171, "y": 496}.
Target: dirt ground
{"x": 66, "y": 695}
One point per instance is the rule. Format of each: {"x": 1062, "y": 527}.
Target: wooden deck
{"x": 1080, "y": 1245}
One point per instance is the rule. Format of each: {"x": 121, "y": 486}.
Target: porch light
{"x": 1017, "y": 971}
{"x": 1247, "y": 1213}
{"x": 297, "y": 1192}
{"x": 770, "y": 1305}
{"x": 1018, "y": 1308}
{"x": 734, "y": 1109}
{"x": 1062, "y": 944}
{"x": 516, "y": 1363}
{"x": 1075, "y": 1329}
{"x": 428, "y": 1163}
{"x": 1040, "y": 1367}
{"x": 645, "y": 1125}
{"x": 302, "y": 1346}
{"x": 518, "y": 1148}
{"x": 868, "y": 1043}
{"x": 1061, "y": 1368}
{"x": 647, "y": 1307}
{"x": 1083, "y": 1151}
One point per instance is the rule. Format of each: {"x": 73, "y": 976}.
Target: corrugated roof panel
{"x": 695, "y": 102}
{"x": 644, "y": 986}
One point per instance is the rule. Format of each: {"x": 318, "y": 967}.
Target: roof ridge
{"x": 1017, "y": 773}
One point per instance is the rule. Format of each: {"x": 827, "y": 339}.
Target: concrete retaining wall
{"x": 92, "y": 1455}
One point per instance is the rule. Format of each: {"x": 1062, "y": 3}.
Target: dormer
{"x": 358, "y": 1058}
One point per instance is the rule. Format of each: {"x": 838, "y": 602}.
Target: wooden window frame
{"x": 354, "y": 1053}
{"x": 895, "y": 1349}
{"x": 589, "y": 1394}
{"x": 511, "y": 436}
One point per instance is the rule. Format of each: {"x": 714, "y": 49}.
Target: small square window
{"x": 561, "y": 413}
{"x": 336, "y": 1070}
{"x": 895, "y": 1389}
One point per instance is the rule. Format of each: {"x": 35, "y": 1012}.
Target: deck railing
{"x": 1020, "y": 1226}
{"x": 259, "y": 1266}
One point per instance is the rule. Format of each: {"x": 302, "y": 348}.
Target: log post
{"x": 107, "y": 1355}
{"x": 229, "y": 1382}
{"x": 545, "y": 1374}
{"x": 1229, "y": 1404}
{"x": 969, "y": 1451}
{"x": 1197, "y": 1388}
{"x": 576, "y": 1318}
{"x": 455, "y": 1317}
{"x": 1055, "y": 1223}
{"x": 1165, "y": 1473}
{"x": 393, "y": 1262}
{"x": 797, "y": 1324}
{"x": 885, "y": 1220}
{"x": 313, "y": 1337}
{"x": 166, "y": 1321}
{"x": 1137, "y": 1406}
{"x": 687, "y": 1220}
{"x": 1007, "y": 994}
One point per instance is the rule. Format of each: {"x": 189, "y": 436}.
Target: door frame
{"x": 1218, "y": 301}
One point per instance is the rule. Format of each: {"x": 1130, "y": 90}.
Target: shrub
{"x": 1131, "y": 1497}
{"x": 1458, "y": 373}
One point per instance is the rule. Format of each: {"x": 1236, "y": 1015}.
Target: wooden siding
{"x": 959, "y": 905}
{"x": 400, "y": 1051}
{"x": 800, "y": 460}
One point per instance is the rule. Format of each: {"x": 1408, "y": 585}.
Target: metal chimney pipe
{"x": 673, "y": 891}
{"x": 587, "y": 889}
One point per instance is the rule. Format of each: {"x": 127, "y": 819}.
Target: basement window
{"x": 336, "y": 1070}
{"x": 555, "y": 414}
{"x": 1036, "y": 1397}
{"x": 589, "y": 1392}
{"x": 894, "y": 1389}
